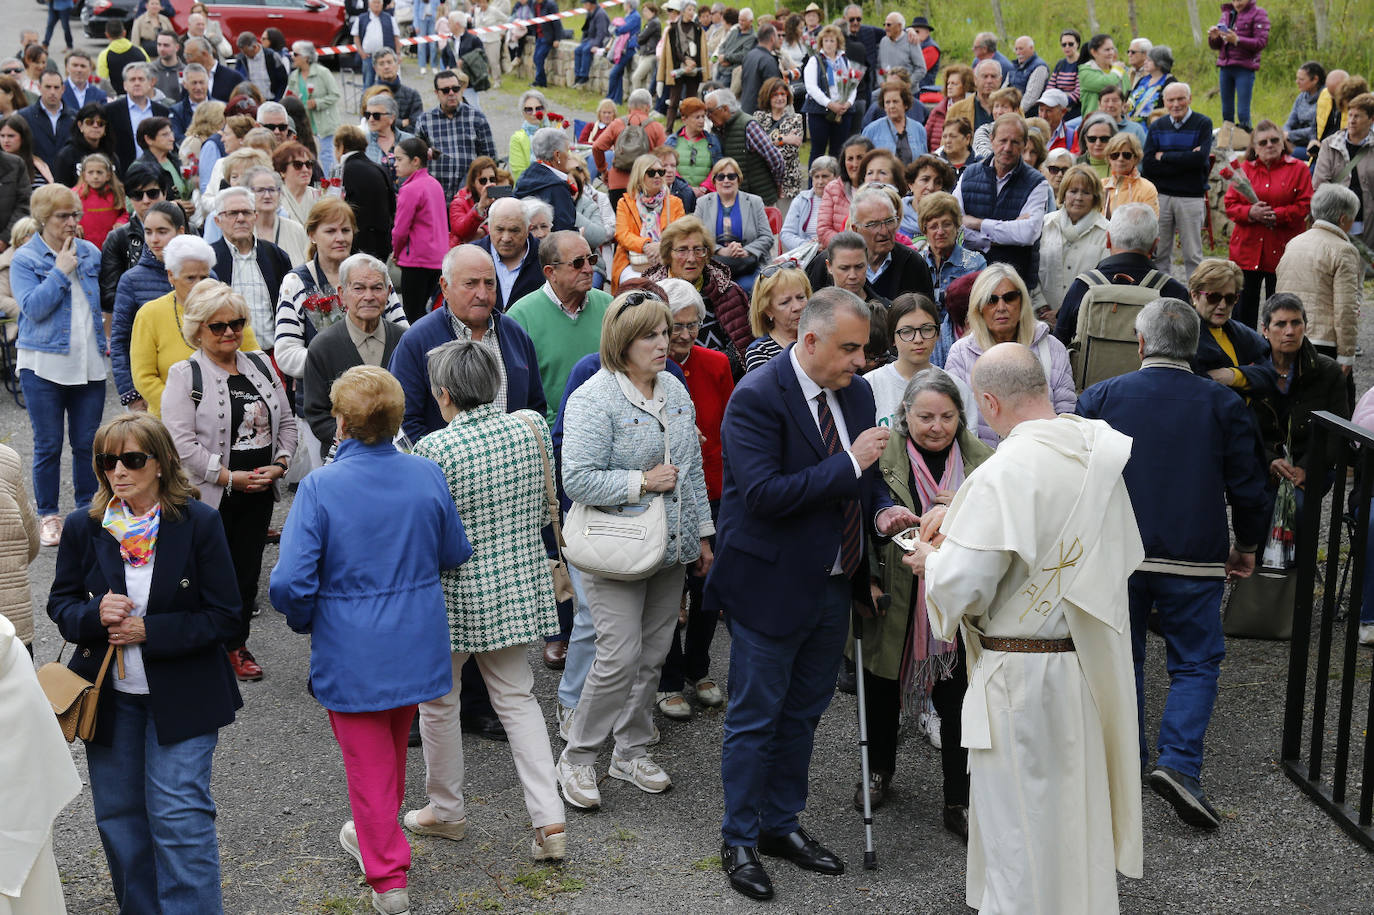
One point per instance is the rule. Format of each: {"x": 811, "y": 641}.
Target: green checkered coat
{"x": 503, "y": 595}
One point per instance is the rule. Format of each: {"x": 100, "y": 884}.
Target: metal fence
{"x": 1338, "y": 445}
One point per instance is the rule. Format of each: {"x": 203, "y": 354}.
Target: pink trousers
{"x": 374, "y": 755}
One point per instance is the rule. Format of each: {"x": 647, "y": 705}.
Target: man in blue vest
{"x": 373, "y": 30}
{"x": 985, "y": 48}
{"x": 1004, "y": 202}
{"x": 1030, "y": 74}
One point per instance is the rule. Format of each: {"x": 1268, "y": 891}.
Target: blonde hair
{"x": 45, "y": 201}
{"x": 766, "y": 289}
{"x": 988, "y": 280}
{"x": 625, "y": 323}
{"x": 327, "y": 211}
{"x": 22, "y": 230}
{"x": 937, "y": 204}
{"x": 831, "y": 29}
{"x": 1210, "y": 272}
{"x": 205, "y": 299}
{"x": 146, "y": 432}
{"x": 637, "y": 170}
{"x": 113, "y": 183}
{"x": 1124, "y": 138}
{"x": 370, "y": 401}
{"x": 720, "y": 165}
{"x": 243, "y": 158}
{"x": 208, "y": 119}
{"x": 1081, "y": 174}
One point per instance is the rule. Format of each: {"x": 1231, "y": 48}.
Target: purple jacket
{"x": 1046, "y": 347}
{"x": 420, "y": 236}
{"x": 1251, "y": 26}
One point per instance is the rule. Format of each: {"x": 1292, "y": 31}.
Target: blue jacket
{"x": 93, "y": 94}
{"x": 524, "y": 390}
{"x": 45, "y": 298}
{"x": 359, "y": 572}
{"x": 145, "y": 282}
{"x": 539, "y": 181}
{"x": 781, "y": 511}
{"x": 1195, "y": 448}
{"x": 884, "y": 137}
{"x": 193, "y": 609}
{"x": 48, "y": 140}
{"x": 1252, "y": 356}
{"x": 530, "y": 277}
{"x": 596, "y": 28}
{"x": 631, "y": 28}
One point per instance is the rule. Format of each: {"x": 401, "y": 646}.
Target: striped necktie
{"x": 851, "y": 538}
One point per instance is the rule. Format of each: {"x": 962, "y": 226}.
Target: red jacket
{"x": 99, "y": 215}
{"x": 710, "y": 383}
{"x": 1287, "y": 187}
{"x": 465, "y": 224}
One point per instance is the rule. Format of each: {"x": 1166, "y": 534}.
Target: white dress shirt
{"x": 810, "y": 390}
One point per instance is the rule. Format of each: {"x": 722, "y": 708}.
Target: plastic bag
{"x": 1280, "y": 548}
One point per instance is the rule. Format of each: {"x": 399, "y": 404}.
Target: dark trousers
{"x": 1258, "y": 287}
{"x": 779, "y": 688}
{"x": 1326, "y": 350}
{"x": 53, "y": 17}
{"x": 827, "y": 136}
{"x": 475, "y": 700}
{"x": 418, "y": 285}
{"x": 685, "y": 88}
{"x": 245, "y": 516}
{"x": 615, "y": 196}
{"x": 542, "y": 48}
{"x": 689, "y": 658}
{"x": 615, "y": 82}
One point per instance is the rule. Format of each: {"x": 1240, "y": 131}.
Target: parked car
{"x": 320, "y": 21}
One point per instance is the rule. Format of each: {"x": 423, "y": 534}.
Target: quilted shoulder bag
{"x": 562, "y": 582}
{"x": 616, "y": 544}
{"x": 73, "y": 698}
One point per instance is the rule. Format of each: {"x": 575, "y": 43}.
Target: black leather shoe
{"x": 747, "y": 876}
{"x": 488, "y": 726}
{"x": 956, "y": 820}
{"x": 846, "y": 682}
{"x": 879, "y": 784}
{"x": 414, "y": 739}
{"x": 803, "y": 851}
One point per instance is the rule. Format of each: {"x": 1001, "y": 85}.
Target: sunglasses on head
{"x": 1216, "y": 298}
{"x": 132, "y": 460}
{"x": 634, "y": 299}
{"x": 790, "y": 264}
{"x": 219, "y": 327}
{"x": 1011, "y": 298}
{"x": 581, "y": 260}
{"x": 1121, "y": 154}
{"x": 151, "y": 193}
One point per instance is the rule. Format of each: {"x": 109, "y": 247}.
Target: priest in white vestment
{"x": 1031, "y": 565}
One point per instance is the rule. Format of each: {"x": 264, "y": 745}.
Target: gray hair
{"x": 1163, "y": 56}
{"x": 825, "y": 163}
{"x": 533, "y": 94}
{"x": 466, "y": 370}
{"x": 1140, "y": 44}
{"x": 222, "y": 198}
{"x": 1332, "y": 202}
{"x": 1011, "y": 378}
{"x": 986, "y": 40}
{"x": 848, "y": 240}
{"x": 141, "y": 67}
{"x": 900, "y": 18}
{"x": 1134, "y": 227}
{"x": 1279, "y": 301}
{"x": 199, "y": 43}
{"x": 865, "y": 194}
{"x": 640, "y": 100}
{"x": 938, "y": 381}
{"x": 253, "y": 171}
{"x": 384, "y": 54}
{"x": 551, "y": 245}
{"x": 245, "y": 40}
{"x": 186, "y": 249}
{"x": 746, "y": 13}
{"x": 1178, "y": 84}
{"x": 818, "y": 316}
{"x": 459, "y": 19}
{"x": 507, "y": 206}
{"x": 985, "y": 63}
{"x": 682, "y": 294}
{"x": 724, "y": 98}
{"x": 273, "y": 108}
{"x": 1169, "y": 329}
{"x": 386, "y": 101}
{"x": 305, "y": 49}
{"x": 1092, "y": 121}
{"x": 192, "y": 70}
{"x": 361, "y": 261}
{"x": 548, "y": 141}
{"x": 533, "y": 206}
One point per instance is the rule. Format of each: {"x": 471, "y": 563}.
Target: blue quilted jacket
{"x": 147, "y": 280}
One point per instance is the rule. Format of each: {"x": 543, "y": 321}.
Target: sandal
{"x": 549, "y": 846}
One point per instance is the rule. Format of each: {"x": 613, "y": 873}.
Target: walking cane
{"x": 856, "y": 623}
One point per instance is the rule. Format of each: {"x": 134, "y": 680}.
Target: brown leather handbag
{"x": 75, "y": 699}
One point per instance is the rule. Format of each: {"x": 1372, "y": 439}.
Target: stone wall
{"x": 558, "y": 67}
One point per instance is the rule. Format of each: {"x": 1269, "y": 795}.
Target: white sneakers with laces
{"x": 642, "y": 772}
{"x": 579, "y": 785}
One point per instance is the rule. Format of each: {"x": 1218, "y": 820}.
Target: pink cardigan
{"x": 420, "y": 235}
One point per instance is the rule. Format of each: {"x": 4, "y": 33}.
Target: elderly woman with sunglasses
{"x": 296, "y": 166}
{"x": 641, "y": 216}
{"x": 384, "y": 137}
{"x": 1229, "y": 352}
{"x": 233, "y": 427}
{"x": 533, "y": 107}
{"x": 744, "y": 239}
{"x": 1124, "y": 184}
{"x": 1096, "y": 133}
{"x": 1000, "y": 311}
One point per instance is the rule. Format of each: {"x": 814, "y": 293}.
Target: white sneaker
{"x": 565, "y": 717}
{"x": 392, "y": 902}
{"x": 1367, "y": 633}
{"x": 654, "y": 737}
{"x": 50, "y": 530}
{"x": 348, "y": 838}
{"x": 579, "y": 785}
{"x": 642, "y": 772}
{"x": 932, "y": 722}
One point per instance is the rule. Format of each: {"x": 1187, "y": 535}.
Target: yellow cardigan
{"x": 156, "y": 345}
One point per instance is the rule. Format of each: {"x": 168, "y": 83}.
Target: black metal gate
{"x": 1338, "y": 445}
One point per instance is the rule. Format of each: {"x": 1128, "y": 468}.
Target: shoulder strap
{"x": 263, "y": 367}
{"x": 197, "y": 383}
{"x": 1344, "y": 173}
{"x": 549, "y": 492}
{"x": 1153, "y": 280}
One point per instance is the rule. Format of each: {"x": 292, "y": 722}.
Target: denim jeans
{"x": 427, "y": 54}
{"x": 53, "y": 17}
{"x": 542, "y": 49}
{"x": 369, "y": 75}
{"x": 1190, "y": 618}
{"x": 155, "y": 814}
{"x": 48, "y": 403}
{"x": 582, "y": 61}
{"x": 581, "y": 646}
{"x": 1237, "y": 84}
{"x": 615, "y": 80}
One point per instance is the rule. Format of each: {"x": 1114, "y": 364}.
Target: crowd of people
{"x": 666, "y": 324}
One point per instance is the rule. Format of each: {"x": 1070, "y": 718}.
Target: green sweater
{"x": 559, "y": 339}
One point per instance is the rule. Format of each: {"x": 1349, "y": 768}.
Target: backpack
{"x": 632, "y": 143}
{"x": 1104, "y": 343}
{"x": 198, "y": 379}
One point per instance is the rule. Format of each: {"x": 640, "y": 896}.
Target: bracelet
{"x": 282, "y": 464}
{"x": 229, "y": 486}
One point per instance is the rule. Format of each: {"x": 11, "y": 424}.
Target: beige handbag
{"x": 73, "y": 698}
{"x": 562, "y": 581}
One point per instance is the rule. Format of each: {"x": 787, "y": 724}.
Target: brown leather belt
{"x": 1038, "y": 646}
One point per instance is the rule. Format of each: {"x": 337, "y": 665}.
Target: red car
{"x": 322, "y": 22}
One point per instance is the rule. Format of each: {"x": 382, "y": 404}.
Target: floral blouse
{"x": 789, "y": 123}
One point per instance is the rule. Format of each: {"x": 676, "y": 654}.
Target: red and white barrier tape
{"x": 484, "y": 30}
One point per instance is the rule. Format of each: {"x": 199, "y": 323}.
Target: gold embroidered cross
{"x": 1067, "y": 560}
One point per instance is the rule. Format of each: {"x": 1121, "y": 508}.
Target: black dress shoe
{"x": 488, "y": 726}
{"x": 847, "y": 682}
{"x": 414, "y": 739}
{"x": 879, "y": 785}
{"x": 803, "y": 851}
{"x": 747, "y": 876}
{"x": 956, "y": 820}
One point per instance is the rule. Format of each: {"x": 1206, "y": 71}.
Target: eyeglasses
{"x": 11, "y": 71}
{"x": 265, "y": 191}
{"x": 878, "y": 224}
{"x": 534, "y": 110}
{"x": 1099, "y": 139}
{"x": 655, "y": 172}
{"x": 1216, "y": 298}
{"x": 1272, "y": 141}
{"x": 238, "y": 214}
{"x": 152, "y": 193}
{"x": 376, "y": 115}
{"x": 926, "y": 331}
{"x": 132, "y": 460}
{"x": 691, "y": 327}
{"x": 219, "y": 327}
{"x": 448, "y": 90}
{"x": 790, "y": 264}
{"x": 299, "y": 163}
{"x": 727, "y": 176}
{"x": 690, "y": 251}
{"x": 1056, "y": 169}
{"x": 486, "y": 179}
{"x": 1011, "y": 298}
{"x": 67, "y": 216}
{"x": 277, "y": 128}
{"x": 1068, "y": 44}
{"x": 578, "y": 262}
{"x": 1121, "y": 154}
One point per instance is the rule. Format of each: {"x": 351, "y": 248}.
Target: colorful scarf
{"x": 137, "y": 534}
{"x": 926, "y": 659}
{"x": 649, "y": 210}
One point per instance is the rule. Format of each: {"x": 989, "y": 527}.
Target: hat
{"x": 690, "y": 106}
{"x": 673, "y": 5}
{"x": 1054, "y": 98}
{"x": 920, "y": 22}
{"x": 814, "y": 8}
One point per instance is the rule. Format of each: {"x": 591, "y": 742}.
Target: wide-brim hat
{"x": 921, "y": 22}
{"x": 813, "y": 8}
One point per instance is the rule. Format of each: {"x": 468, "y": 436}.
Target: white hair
{"x": 724, "y": 98}
{"x": 682, "y": 294}
{"x": 186, "y": 249}
{"x": 362, "y": 261}
{"x": 222, "y": 198}
{"x": 1140, "y": 44}
{"x": 305, "y": 49}
{"x": 267, "y": 108}
{"x": 533, "y": 206}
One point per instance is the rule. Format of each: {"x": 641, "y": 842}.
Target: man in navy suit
{"x": 49, "y": 121}
{"x": 222, "y": 79}
{"x": 802, "y": 493}
{"x": 77, "y": 90}
{"x": 126, "y": 112}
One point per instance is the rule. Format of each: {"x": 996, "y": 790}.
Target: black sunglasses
{"x": 449, "y": 90}
{"x": 655, "y": 172}
{"x": 790, "y": 264}
{"x": 727, "y": 176}
{"x": 634, "y": 299}
{"x": 299, "y": 163}
{"x": 132, "y": 460}
{"x": 376, "y": 115}
{"x": 1216, "y": 298}
{"x": 581, "y": 260}
{"x": 1056, "y": 169}
{"x": 1121, "y": 154}
{"x": 1099, "y": 139}
{"x": 219, "y": 327}
{"x": 1011, "y": 298}
{"x": 152, "y": 193}
{"x": 275, "y": 128}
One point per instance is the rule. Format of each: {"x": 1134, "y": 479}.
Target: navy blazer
{"x": 529, "y": 279}
{"x": 781, "y": 511}
{"x": 181, "y": 115}
{"x": 94, "y": 94}
{"x": 272, "y": 261}
{"x": 192, "y": 608}
{"x": 121, "y": 128}
{"x": 47, "y": 140}
{"x": 409, "y": 363}
{"x": 223, "y": 81}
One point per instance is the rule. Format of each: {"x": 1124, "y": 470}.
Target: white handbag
{"x": 616, "y": 544}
